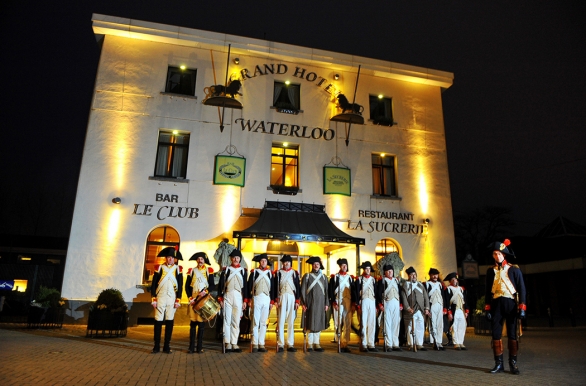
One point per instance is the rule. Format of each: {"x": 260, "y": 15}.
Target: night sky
{"x": 514, "y": 117}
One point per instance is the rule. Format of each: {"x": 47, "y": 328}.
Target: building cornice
{"x": 163, "y": 33}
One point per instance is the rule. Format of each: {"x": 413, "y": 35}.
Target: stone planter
{"x": 481, "y": 325}
{"x": 45, "y": 317}
{"x": 107, "y": 324}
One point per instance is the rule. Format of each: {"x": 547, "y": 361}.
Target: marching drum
{"x": 207, "y": 307}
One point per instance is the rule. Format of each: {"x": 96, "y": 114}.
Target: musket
{"x": 251, "y": 321}
{"x": 413, "y": 345}
{"x": 384, "y": 328}
{"x": 304, "y": 331}
{"x": 339, "y": 329}
{"x": 223, "y": 334}
{"x": 277, "y": 331}
{"x": 518, "y": 326}
{"x": 432, "y": 332}
{"x": 383, "y": 319}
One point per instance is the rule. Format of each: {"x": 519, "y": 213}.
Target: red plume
{"x": 507, "y": 242}
{"x": 177, "y": 247}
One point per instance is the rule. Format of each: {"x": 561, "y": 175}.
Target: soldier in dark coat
{"x": 166, "y": 290}
{"x": 314, "y": 289}
{"x": 505, "y": 302}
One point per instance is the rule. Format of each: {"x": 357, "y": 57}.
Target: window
{"x": 172, "y": 155}
{"x": 286, "y": 97}
{"x": 285, "y": 168}
{"x": 384, "y": 247}
{"x": 181, "y": 81}
{"x": 158, "y": 239}
{"x": 381, "y": 110}
{"x": 383, "y": 175}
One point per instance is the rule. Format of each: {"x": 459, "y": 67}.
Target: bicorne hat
{"x": 200, "y": 254}
{"x": 286, "y": 258}
{"x": 502, "y": 247}
{"x": 366, "y": 264}
{"x": 451, "y": 276}
{"x": 169, "y": 251}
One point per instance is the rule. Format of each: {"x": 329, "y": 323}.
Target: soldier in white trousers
{"x": 232, "y": 290}
{"x": 388, "y": 298}
{"x": 288, "y": 289}
{"x": 415, "y": 308}
{"x": 342, "y": 295}
{"x": 438, "y": 308}
{"x": 261, "y": 298}
{"x": 166, "y": 291}
{"x": 366, "y": 305}
{"x": 457, "y": 311}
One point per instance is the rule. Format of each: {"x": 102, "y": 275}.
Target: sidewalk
{"x": 547, "y": 356}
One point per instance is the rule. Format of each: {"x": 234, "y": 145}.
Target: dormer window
{"x": 286, "y": 98}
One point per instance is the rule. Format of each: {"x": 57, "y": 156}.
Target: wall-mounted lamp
{"x": 426, "y": 221}
{"x": 236, "y": 60}
{"x": 336, "y": 76}
{"x": 116, "y": 200}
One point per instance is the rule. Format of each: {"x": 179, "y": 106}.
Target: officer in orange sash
{"x": 505, "y": 302}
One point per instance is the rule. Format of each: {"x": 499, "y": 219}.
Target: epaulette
{"x": 332, "y": 275}
{"x": 444, "y": 286}
{"x": 180, "y": 269}
{"x": 224, "y": 268}
{"x": 514, "y": 266}
{"x": 157, "y": 267}
{"x": 210, "y": 270}
{"x": 189, "y": 271}
{"x": 463, "y": 289}
{"x": 252, "y": 270}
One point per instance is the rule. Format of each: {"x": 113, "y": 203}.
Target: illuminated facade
{"x": 149, "y": 176}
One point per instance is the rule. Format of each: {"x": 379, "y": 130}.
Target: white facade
{"x": 129, "y": 108}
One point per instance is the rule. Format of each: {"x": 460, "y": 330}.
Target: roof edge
{"x": 164, "y": 33}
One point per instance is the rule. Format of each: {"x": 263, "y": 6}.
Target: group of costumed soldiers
{"x": 417, "y": 302}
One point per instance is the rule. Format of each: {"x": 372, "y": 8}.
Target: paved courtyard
{"x": 547, "y": 356}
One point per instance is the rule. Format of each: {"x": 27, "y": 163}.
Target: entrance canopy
{"x": 296, "y": 222}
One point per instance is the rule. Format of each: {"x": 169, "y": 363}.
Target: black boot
{"x": 168, "y": 334}
{"x": 497, "y": 347}
{"x": 158, "y": 328}
{"x": 191, "y": 348}
{"x": 450, "y": 340}
{"x": 513, "y": 348}
{"x": 200, "y": 326}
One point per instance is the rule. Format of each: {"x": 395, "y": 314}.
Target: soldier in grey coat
{"x": 314, "y": 290}
{"x": 415, "y": 306}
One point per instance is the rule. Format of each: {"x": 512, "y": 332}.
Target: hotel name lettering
{"x": 297, "y": 131}
{"x": 166, "y": 211}
{"x": 379, "y": 225}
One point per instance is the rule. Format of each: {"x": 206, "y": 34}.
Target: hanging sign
{"x": 337, "y": 181}
{"x": 229, "y": 170}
